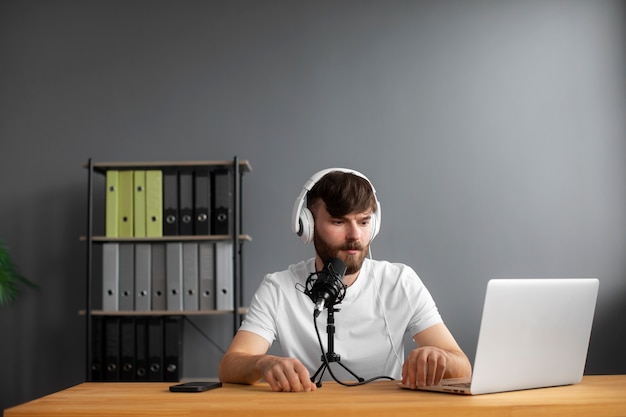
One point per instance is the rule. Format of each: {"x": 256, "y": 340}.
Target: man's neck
{"x": 347, "y": 279}
{"x": 351, "y": 279}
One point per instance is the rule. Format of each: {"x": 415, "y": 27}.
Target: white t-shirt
{"x": 387, "y": 301}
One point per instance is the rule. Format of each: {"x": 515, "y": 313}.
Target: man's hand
{"x": 438, "y": 356}
{"x": 286, "y": 374}
{"x": 425, "y": 366}
{"x": 246, "y": 362}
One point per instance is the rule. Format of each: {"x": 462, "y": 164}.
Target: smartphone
{"x": 197, "y": 386}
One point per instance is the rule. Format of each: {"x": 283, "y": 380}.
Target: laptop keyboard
{"x": 459, "y": 385}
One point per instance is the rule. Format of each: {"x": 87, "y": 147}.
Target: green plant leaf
{"x": 9, "y": 277}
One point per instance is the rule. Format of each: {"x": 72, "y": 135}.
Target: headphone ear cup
{"x": 307, "y": 225}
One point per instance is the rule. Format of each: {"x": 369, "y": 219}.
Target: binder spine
{"x": 185, "y": 202}
{"x": 222, "y": 200}
{"x": 172, "y": 348}
{"x": 127, "y": 349}
{"x": 143, "y": 279}
{"x": 174, "y": 275}
{"x": 97, "y": 349}
{"x": 202, "y": 202}
{"x": 190, "y": 276}
{"x": 154, "y": 203}
{"x": 139, "y": 203}
{"x": 127, "y": 276}
{"x": 206, "y": 270}
{"x": 170, "y": 202}
{"x": 112, "y": 203}
{"x": 141, "y": 349}
{"x": 155, "y": 349}
{"x": 112, "y": 349}
{"x": 110, "y": 276}
{"x": 159, "y": 291}
{"x": 125, "y": 204}
{"x": 224, "y": 275}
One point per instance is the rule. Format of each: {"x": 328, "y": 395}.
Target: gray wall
{"x": 493, "y": 131}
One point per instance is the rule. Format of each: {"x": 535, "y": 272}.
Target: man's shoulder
{"x": 395, "y": 274}
{"x": 294, "y": 273}
{"x": 391, "y": 268}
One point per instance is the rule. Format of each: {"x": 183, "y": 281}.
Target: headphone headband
{"x": 302, "y": 222}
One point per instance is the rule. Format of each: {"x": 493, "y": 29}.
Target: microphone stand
{"x": 330, "y": 355}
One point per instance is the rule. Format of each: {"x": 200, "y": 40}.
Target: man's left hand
{"x": 425, "y": 366}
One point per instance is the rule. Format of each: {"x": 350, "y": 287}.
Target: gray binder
{"x": 143, "y": 278}
{"x": 110, "y": 276}
{"x": 127, "y": 277}
{"x": 190, "y": 276}
{"x": 224, "y": 275}
{"x": 174, "y": 276}
{"x": 158, "y": 277}
{"x": 206, "y": 271}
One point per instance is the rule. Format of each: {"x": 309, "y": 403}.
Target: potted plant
{"x": 9, "y": 277}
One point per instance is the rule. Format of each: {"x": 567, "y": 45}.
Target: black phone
{"x": 196, "y": 386}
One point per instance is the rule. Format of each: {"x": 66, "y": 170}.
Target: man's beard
{"x": 353, "y": 262}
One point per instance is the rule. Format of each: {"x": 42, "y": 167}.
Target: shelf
{"x": 241, "y": 310}
{"x": 231, "y": 195}
{"x": 172, "y": 238}
{"x": 103, "y": 167}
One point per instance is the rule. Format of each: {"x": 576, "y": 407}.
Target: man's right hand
{"x": 246, "y": 362}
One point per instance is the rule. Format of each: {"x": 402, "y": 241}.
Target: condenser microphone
{"x": 328, "y": 289}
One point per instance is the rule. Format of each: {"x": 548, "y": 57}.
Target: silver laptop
{"x": 534, "y": 333}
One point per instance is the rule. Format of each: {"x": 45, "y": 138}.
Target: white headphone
{"x": 302, "y": 222}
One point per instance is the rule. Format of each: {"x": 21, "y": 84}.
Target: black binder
{"x": 155, "y": 349}
{"x": 202, "y": 202}
{"x": 141, "y": 349}
{"x": 111, "y": 349}
{"x": 97, "y": 349}
{"x": 127, "y": 349}
{"x": 185, "y": 202}
{"x": 172, "y": 344}
{"x": 170, "y": 202}
{"x": 221, "y": 202}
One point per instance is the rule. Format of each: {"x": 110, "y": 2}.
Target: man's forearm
{"x": 240, "y": 368}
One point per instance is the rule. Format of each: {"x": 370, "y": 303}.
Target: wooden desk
{"x": 595, "y": 396}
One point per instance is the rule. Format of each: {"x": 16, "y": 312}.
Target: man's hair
{"x": 343, "y": 193}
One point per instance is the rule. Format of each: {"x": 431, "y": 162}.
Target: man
{"x": 339, "y": 212}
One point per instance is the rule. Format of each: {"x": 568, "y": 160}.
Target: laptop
{"x": 534, "y": 333}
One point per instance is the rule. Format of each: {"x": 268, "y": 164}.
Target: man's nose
{"x": 354, "y": 231}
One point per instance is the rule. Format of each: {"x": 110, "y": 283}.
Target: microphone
{"x": 328, "y": 289}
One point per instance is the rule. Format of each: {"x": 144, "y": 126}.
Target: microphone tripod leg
{"x": 331, "y": 356}
{"x": 319, "y": 371}
{"x": 358, "y": 378}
